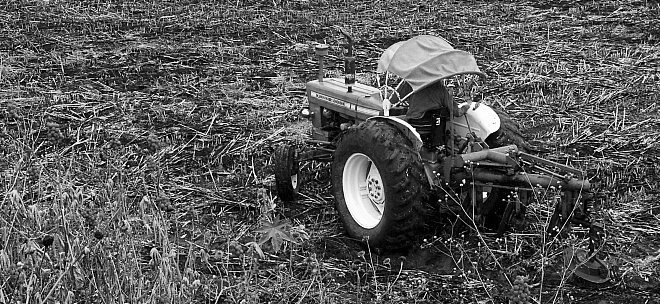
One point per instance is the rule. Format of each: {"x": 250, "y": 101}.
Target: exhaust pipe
{"x": 349, "y": 62}
{"x": 321, "y": 51}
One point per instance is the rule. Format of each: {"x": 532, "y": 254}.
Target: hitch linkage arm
{"x": 505, "y": 156}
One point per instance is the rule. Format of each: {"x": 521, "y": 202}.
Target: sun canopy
{"x": 425, "y": 59}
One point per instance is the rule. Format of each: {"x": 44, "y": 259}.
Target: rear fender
{"x": 404, "y": 127}
{"x": 480, "y": 119}
{"x": 409, "y": 131}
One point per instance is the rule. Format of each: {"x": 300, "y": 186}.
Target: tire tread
{"x": 403, "y": 167}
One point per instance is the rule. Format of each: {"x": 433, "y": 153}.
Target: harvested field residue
{"x": 136, "y": 141}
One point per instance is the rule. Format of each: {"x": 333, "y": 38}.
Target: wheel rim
{"x": 294, "y": 181}
{"x": 364, "y": 191}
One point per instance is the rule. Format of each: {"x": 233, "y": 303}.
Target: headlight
{"x": 327, "y": 113}
{"x": 306, "y": 113}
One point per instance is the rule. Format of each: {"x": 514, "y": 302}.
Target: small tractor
{"x": 390, "y": 167}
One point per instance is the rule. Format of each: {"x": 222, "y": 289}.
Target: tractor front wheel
{"x": 286, "y": 172}
{"x": 379, "y": 185}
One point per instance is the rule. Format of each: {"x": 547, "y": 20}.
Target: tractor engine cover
{"x": 332, "y": 94}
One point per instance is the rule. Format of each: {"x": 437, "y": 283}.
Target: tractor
{"x": 406, "y": 146}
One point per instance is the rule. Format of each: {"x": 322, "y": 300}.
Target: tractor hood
{"x": 425, "y": 59}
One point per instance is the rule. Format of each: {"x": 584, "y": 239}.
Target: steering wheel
{"x": 385, "y": 88}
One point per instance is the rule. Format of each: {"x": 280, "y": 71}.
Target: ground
{"x": 136, "y": 141}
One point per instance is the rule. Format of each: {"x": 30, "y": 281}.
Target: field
{"x": 136, "y": 141}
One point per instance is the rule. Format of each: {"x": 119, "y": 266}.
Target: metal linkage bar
{"x": 478, "y": 184}
{"x": 503, "y": 155}
{"x": 528, "y": 180}
{"x": 319, "y": 154}
{"x": 533, "y": 160}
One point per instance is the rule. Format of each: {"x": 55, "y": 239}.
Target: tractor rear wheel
{"x": 379, "y": 185}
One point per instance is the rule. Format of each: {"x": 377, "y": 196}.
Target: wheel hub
{"x": 294, "y": 181}
{"x": 375, "y": 187}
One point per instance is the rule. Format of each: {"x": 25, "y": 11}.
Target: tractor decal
{"x": 327, "y": 98}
